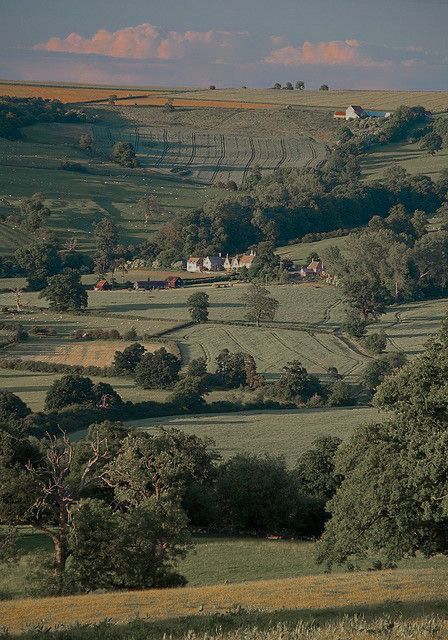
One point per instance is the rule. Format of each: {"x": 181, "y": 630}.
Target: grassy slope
{"x": 418, "y": 590}
{"x": 287, "y": 433}
{"x": 409, "y": 156}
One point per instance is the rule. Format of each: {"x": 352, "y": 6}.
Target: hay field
{"x": 97, "y": 353}
{"x": 307, "y": 594}
{"x": 333, "y": 99}
{"x": 288, "y": 433}
{"x": 161, "y": 100}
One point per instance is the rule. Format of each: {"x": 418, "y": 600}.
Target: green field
{"x": 408, "y": 155}
{"x": 288, "y": 433}
{"x": 300, "y": 251}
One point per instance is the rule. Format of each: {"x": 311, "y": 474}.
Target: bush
{"x": 127, "y": 360}
{"x": 157, "y": 370}
{"x": 340, "y": 395}
{"x": 376, "y": 342}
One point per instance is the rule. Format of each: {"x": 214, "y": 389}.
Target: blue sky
{"x": 399, "y": 44}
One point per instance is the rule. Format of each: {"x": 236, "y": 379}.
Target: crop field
{"x": 288, "y": 433}
{"x": 209, "y": 157}
{"x": 334, "y": 99}
{"x": 307, "y": 594}
{"x": 70, "y": 93}
{"x": 96, "y": 353}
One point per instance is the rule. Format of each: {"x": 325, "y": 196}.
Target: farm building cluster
{"x": 196, "y": 264}
{"x": 355, "y": 112}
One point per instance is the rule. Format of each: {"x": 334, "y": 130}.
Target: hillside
{"x": 302, "y": 598}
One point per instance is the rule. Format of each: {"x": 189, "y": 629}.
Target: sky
{"x": 368, "y": 44}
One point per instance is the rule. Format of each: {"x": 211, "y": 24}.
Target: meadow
{"x": 287, "y": 433}
{"x": 307, "y": 597}
{"x": 408, "y": 155}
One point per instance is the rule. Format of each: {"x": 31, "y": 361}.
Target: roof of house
{"x": 339, "y": 113}
{"x": 246, "y": 260}
{"x": 194, "y": 259}
{"x": 215, "y": 259}
{"x": 357, "y": 109}
{"x": 315, "y": 264}
{"x": 101, "y": 283}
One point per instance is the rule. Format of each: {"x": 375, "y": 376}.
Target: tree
{"x": 157, "y": 370}
{"x": 69, "y": 390}
{"x": 296, "y": 384}
{"x": 127, "y": 360}
{"x": 323, "y": 87}
{"x": 197, "y": 368}
{"x": 198, "y": 306}
{"x": 300, "y": 85}
{"x": 366, "y": 295}
{"x": 339, "y": 394}
{"x": 65, "y": 291}
{"x": 259, "y": 304}
{"x": 376, "y": 342}
{"x": 40, "y": 260}
{"x": 394, "y": 496}
{"x": 123, "y": 153}
{"x": 34, "y": 212}
{"x": 86, "y": 142}
{"x": 106, "y": 234}
{"x": 432, "y": 142}
{"x": 188, "y": 394}
{"x": 376, "y": 370}
{"x": 354, "y": 324}
{"x": 277, "y": 85}
{"x": 231, "y": 368}
{"x": 289, "y": 86}
{"x": 13, "y": 412}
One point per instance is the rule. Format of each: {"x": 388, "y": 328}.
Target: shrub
{"x": 157, "y": 370}
{"x": 127, "y": 360}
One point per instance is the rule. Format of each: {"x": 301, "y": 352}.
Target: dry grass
{"x": 305, "y": 593}
{"x": 158, "y": 101}
{"x": 85, "y": 354}
{"x": 333, "y": 99}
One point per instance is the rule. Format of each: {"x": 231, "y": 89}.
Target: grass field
{"x": 334, "y": 99}
{"x": 300, "y": 251}
{"x": 287, "y": 433}
{"x": 419, "y": 588}
{"x": 408, "y": 155}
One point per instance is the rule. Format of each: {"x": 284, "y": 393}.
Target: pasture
{"x": 307, "y": 596}
{"x": 78, "y": 200}
{"x": 408, "y": 155}
{"x": 287, "y": 433}
{"x": 300, "y": 251}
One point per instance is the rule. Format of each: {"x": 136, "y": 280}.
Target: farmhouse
{"x": 356, "y": 112}
{"x": 242, "y": 261}
{"x": 315, "y": 268}
{"x": 194, "y": 265}
{"x": 213, "y": 263}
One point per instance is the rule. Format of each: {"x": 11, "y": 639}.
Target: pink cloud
{"x": 144, "y": 41}
{"x": 334, "y": 52}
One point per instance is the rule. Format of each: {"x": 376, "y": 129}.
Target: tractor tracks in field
{"x": 194, "y": 150}
{"x": 283, "y": 157}
{"x": 165, "y": 148}
{"x": 220, "y": 159}
{"x": 249, "y": 162}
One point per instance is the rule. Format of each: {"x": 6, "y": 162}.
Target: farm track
{"x": 193, "y": 150}
{"x": 220, "y": 159}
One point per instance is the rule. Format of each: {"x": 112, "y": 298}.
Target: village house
{"x": 174, "y": 282}
{"x": 213, "y": 263}
{"x": 242, "y": 261}
{"x": 194, "y": 265}
{"x": 315, "y": 268}
{"x": 102, "y": 285}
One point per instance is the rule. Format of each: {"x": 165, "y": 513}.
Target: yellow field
{"x": 305, "y": 593}
{"x": 66, "y": 94}
{"x": 334, "y": 99}
{"x": 92, "y": 353}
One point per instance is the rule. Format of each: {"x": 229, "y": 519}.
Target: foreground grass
{"x": 416, "y": 592}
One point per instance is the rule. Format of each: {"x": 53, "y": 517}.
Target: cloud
{"x": 144, "y": 42}
{"x": 334, "y": 52}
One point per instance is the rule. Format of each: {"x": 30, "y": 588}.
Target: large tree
{"x": 259, "y": 303}
{"x": 65, "y": 291}
{"x": 157, "y": 370}
{"x": 393, "y": 501}
{"x": 198, "y": 306}
{"x": 40, "y": 260}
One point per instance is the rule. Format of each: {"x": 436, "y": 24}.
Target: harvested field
{"x": 307, "y": 594}
{"x": 95, "y": 353}
{"x": 68, "y": 94}
{"x": 333, "y": 99}
{"x": 288, "y": 433}
{"x": 140, "y": 101}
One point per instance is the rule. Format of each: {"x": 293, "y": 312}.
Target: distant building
{"x": 213, "y": 263}
{"x": 356, "y": 112}
{"x": 101, "y": 285}
{"x": 227, "y": 263}
{"x": 315, "y": 268}
{"x": 148, "y": 285}
{"x": 242, "y": 261}
{"x": 174, "y": 282}
{"x": 194, "y": 265}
